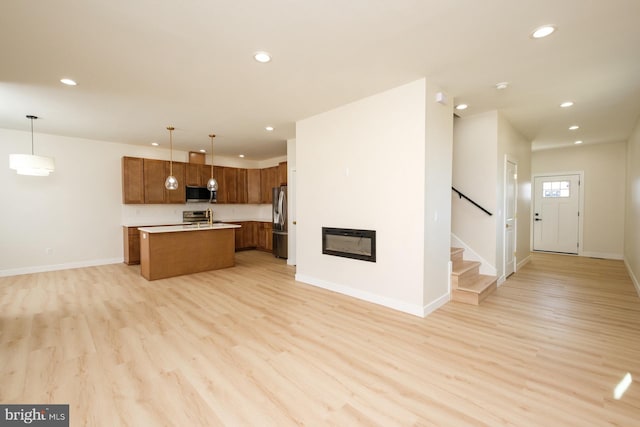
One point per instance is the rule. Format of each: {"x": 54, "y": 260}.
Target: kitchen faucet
{"x": 209, "y": 215}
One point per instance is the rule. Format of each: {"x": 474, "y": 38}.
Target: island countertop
{"x": 188, "y": 227}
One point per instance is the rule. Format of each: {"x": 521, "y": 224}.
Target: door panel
{"x": 510, "y": 218}
{"x": 556, "y": 213}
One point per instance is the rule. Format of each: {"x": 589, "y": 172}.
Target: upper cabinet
{"x": 132, "y": 180}
{"x": 143, "y": 181}
{"x": 254, "y": 191}
{"x": 282, "y": 173}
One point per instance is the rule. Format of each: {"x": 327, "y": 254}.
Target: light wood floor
{"x": 250, "y": 346}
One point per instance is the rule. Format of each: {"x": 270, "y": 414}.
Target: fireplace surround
{"x": 349, "y": 243}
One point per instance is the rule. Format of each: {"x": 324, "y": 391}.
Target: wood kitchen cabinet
{"x": 282, "y": 173}
{"x": 155, "y": 174}
{"x": 194, "y": 175}
{"x": 132, "y": 180}
{"x": 268, "y": 180}
{"x": 230, "y": 184}
{"x": 254, "y": 191}
{"x": 265, "y": 236}
{"x": 241, "y": 186}
{"x": 131, "y": 241}
{"x": 246, "y": 236}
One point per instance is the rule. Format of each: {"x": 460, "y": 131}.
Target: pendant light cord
{"x": 212, "y": 136}
{"x": 170, "y": 128}
{"x": 30, "y": 117}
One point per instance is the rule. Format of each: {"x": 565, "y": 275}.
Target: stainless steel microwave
{"x": 200, "y": 195}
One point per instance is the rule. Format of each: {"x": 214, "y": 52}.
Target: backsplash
{"x": 154, "y": 214}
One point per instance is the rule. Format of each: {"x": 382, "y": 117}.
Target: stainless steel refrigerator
{"x": 280, "y": 234}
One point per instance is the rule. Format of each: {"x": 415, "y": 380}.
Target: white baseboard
{"x": 471, "y": 255}
{"x": 524, "y": 262}
{"x": 604, "y": 255}
{"x": 634, "y": 279}
{"x": 56, "y": 267}
{"x": 395, "y": 304}
{"x": 433, "y": 306}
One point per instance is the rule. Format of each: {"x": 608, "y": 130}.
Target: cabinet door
{"x": 251, "y": 234}
{"x": 132, "y": 180}
{"x": 229, "y": 179}
{"x": 241, "y": 186}
{"x": 239, "y": 235}
{"x": 269, "y": 179}
{"x": 194, "y": 175}
{"x": 268, "y": 230}
{"x": 154, "y": 177}
{"x": 254, "y": 193}
{"x": 205, "y": 175}
{"x": 178, "y": 195}
{"x": 282, "y": 173}
{"x": 218, "y": 172}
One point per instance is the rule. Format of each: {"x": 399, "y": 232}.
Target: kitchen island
{"x": 184, "y": 249}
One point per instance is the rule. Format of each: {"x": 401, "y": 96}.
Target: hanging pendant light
{"x": 171, "y": 183}
{"x": 212, "y": 185}
{"x": 30, "y": 164}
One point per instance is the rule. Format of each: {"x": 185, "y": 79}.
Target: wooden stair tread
{"x": 479, "y": 285}
{"x": 463, "y": 267}
{"x": 455, "y": 251}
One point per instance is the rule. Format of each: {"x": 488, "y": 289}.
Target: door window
{"x": 555, "y": 189}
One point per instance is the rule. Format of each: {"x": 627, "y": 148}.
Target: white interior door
{"x": 556, "y": 213}
{"x": 511, "y": 196}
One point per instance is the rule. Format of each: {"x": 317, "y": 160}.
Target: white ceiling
{"x": 142, "y": 65}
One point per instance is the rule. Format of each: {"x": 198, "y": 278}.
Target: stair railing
{"x": 463, "y": 196}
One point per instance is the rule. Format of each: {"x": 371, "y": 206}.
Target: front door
{"x": 511, "y": 186}
{"x": 556, "y": 213}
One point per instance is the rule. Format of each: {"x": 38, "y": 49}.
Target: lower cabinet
{"x": 131, "y": 239}
{"x": 265, "y": 236}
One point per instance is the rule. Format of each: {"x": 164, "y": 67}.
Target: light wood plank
{"x": 250, "y": 346}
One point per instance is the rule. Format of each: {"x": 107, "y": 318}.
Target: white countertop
{"x": 178, "y": 223}
{"x": 190, "y": 227}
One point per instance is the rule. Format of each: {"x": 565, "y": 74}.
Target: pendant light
{"x": 171, "y": 183}
{"x": 212, "y": 185}
{"x": 30, "y": 164}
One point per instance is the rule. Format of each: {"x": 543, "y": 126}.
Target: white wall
{"x": 516, "y": 147}
{"x": 475, "y": 173}
{"x": 632, "y": 217}
{"x": 74, "y": 216}
{"x": 437, "y": 218}
{"x": 604, "y": 191}
{"x": 363, "y": 166}
{"x": 292, "y": 201}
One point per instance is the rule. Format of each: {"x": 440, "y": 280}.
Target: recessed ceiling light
{"x": 241, "y": 155}
{"x": 578, "y": 142}
{"x": 203, "y": 151}
{"x": 462, "y": 107}
{"x": 269, "y": 128}
{"x": 502, "y": 85}
{"x": 574, "y": 127}
{"x": 155, "y": 144}
{"x": 68, "y": 82}
{"x": 566, "y": 104}
{"x": 263, "y": 57}
{"x": 544, "y": 31}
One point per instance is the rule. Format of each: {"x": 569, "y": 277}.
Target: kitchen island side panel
{"x": 174, "y": 254}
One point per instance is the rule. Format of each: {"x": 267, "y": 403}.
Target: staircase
{"x": 467, "y": 284}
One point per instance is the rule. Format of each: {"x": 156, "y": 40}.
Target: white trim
{"x": 395, "y": 304}
{"x": 471, "y": 255}
{"x": 434, "y": 305}
{"x": 56, "y": 267}
{"x": 580, "y": 206}
{"x": 604, "y": 255}
{"x": 500, "y": 280}
{"x": 523, "y": 262}
{"x": 634, "y": 279}
{"x": 509, "y": 159}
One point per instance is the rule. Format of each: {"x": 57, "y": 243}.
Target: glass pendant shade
{"x": 30, "y": 164}
{"x": 212, "y": 185}
{"x": 171, "y": 183}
